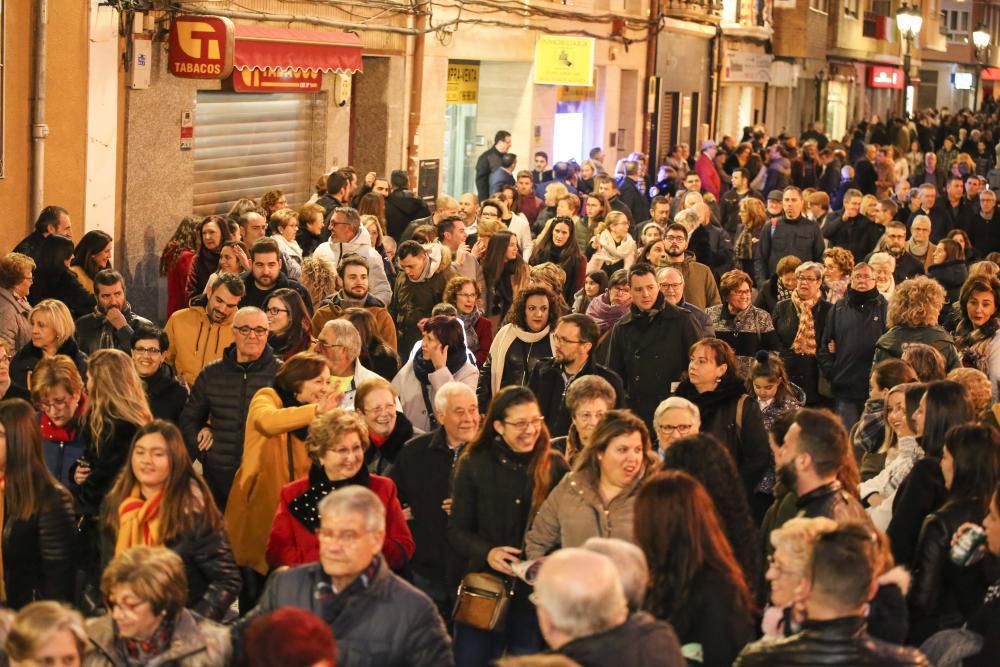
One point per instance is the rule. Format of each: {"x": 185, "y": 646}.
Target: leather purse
{"x": 483, "y": 599}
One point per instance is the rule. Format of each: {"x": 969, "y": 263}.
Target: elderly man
{"x": 199, "y": 334}
{"x": 423, "y": 474}
{"x": 111, "y": 325}
{"x": 675, "y": 418}
{"x": 982, "y": 230}
{"x": 671, "y": 282}
{"x": 353, "y": 273}
{"x": 340, "y": 342}
{"x": 920, "y": 245}
{"x": 347, "y": 237}
{"x": 377, "y": 618}
{"x": 584, "y": 615}
{"x": 214, "y": 419}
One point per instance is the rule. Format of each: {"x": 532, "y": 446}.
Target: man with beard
{"x": 574, "y": 339}
{"x": 850, "y": 229}
{"x": 112, "y": 323}
{"x": 199, "y": 334}
{"x": 907, "y": 265}
{"x": 349, "y": 237}
{"x": 353, "y": 273}
{"x": 531, "y": 204}
{"x": 700, "y": 288}
{"x": 659, "y": 215}
{"x": 265, "y": 276}
{"x": 808, "y": 463}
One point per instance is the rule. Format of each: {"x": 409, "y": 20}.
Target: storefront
{"x": 745, "y": 76}
{"x": 885, "y": 89}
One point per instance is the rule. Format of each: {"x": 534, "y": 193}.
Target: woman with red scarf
{"x": 57, "y": 391}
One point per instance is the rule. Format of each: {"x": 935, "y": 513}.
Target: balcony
{"x": 699, "y": 11}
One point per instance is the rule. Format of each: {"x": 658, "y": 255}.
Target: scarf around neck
{"x": 138, "y": 521}
{"x": 917, "y": 250}
{"x": 498, "y": 350}
{"x": 469, "y": 321}
{"x": 305, "y": 508}
{"x": 805, "y": 337}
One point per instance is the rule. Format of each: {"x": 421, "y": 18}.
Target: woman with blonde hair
{"x": 52, "y": 330}
{"x": 913, "y": 318}
{"x": 284, "y": 224}
{"x": 46, "y": 633}
{"x": 319, "y": 279}
{"x": 884, "y": 266}
{"x": 553, "y": 193}
{"x": 271, "y": 201}
{"x": 615, "y": 246}
{"x": 548, "y": 274}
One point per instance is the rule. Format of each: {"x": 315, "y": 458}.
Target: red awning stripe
{"x": 991, "y": 74}
{"x": 260, "y": 46}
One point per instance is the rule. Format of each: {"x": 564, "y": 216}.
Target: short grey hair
{"x": 248, "y": 310}
{"x": 688, "y": 217}
{"x": 924, "y": 218}
{"x": 630, "y": 563}
{"x": 580, "y": 592}
{"x": 678, "y": 403}
{"x": 448, "y": 391}
{"x": 661, "y": 273}
{"x": 928, "y": 187}
{"x": 882, "y": 258}
{"x": 346, "y": 334}
{"x": 355, "y": 499}
{"x": 817, "y": 268}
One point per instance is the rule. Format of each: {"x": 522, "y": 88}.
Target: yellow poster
{"x": 463, "y": 83}
{"x": 564, "y": 61}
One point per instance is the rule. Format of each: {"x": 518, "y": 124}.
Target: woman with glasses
{"x": 674, "y": 418}
{"x": 38, "y": 547}
{"x": 16, "y": 278}
{"x": 166, "y": 394}
{"x": 284, "y": 224}
{"x": 501, "y": 481}
{"x": 337, "y": 443}
{"x": 463, "y": 293}
{"x": 596, "y": 499}
{"x": 745, "y": 327}
{"x": 799, "y": 322}
{"x": 159, "y": 500}
{"x": 588, "y": 399}
{"x": 612, "y": 304}
{"x": 289, "y": 323}
{"x": 147, "y": 624}
{"x": 57, "y": 391}
{"x": 388, "y": 428}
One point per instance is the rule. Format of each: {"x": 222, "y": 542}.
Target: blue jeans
{"x": 849, "y": 412}
{"x": 520, "y": 636}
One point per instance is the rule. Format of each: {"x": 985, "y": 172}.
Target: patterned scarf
{"x": 138, "y": 652}
{"x": 138, "y": 521}
{"x": 469, "y": 323}
{"x": 805, "y": 337}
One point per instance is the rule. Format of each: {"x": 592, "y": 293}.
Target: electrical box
{"x": 141, "y": 67}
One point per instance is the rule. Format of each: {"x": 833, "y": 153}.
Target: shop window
{"x": 955, "y": 25}
{"x": 246, "y": 144}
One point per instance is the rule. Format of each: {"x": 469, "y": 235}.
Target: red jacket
{"x": 710, "y": 181}
{"x": 177, "y": 276}
{"x": 291, "y": 543}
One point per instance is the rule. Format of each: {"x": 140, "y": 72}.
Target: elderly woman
{"x": 442, "y": 358}
{"x": 884, "y": 265}
{"x": 675, "y": 418}
{"x": 57, "y": 391}
{"x": 146, "y": 623}
{"x": 337, "y": 442}
{"x": 464, "y": 293}
{"x": 596, "y": 499}
{"x": 46, "y": 633}
{"x": 588, "y": 399}
{"x": 913, "y": 318}
{"x": 388, "y": 428}
{"x": 838, "y": 264}
{"x": 799, "y": 322}
{"x": 745, "y": 327}
{"x": 284, "y": 224}
{"x": 976, "y": 336}
{"x": 52, "y": 330}
{"x": 779, "y": 286}
{"x": 15, "y": 283}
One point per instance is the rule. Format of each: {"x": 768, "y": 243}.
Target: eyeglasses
{"x": 246, "y": 331}
{"x": 274, "y": 310}
{"x": 344, "y": 452}
{"x": 129, "y": 608}
{"x": 57, "y": 404}
{"x": 674, "y": 237}
{"x": 30, "y": 279}
{"x": 346, "y": 538}
{"x": 145, "y": 351}
{"x": 806, "y": 279}
{"x": 742, "y": 292}
{"x": 525, "y": 425}
{"x": 470, "y": 295}
{"x": 589, "y": 416}
{"x": 323, "y": 345}
{"x": 380, "y": 409}
{"x": 559, "y": 339}
{"x": 619, "y": 290}
{"x": 488, "y": 215}
{"x": 679, "y": 429}
{"x": 671, "y": 285}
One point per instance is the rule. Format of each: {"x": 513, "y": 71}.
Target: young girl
{"x": 899, "y": 452}
{"x": 776, "y": 395}
{"x": 869, "y": 433}
{"x": 615, "y": 246}
{"x": 594, "y": 285}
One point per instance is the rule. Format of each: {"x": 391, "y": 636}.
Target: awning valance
{"x": 262, "y": 47}
{"x": 991, "y": 74}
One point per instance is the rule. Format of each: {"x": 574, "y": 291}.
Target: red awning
{"x": 261, "y": 46}
{"x": 991, "y": 74}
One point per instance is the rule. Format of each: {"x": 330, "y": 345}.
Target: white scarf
{"x": 501, "y": 343}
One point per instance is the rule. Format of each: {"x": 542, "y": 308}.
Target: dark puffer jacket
{"x": 106, "y": 457}
{"x": 221, "y": 395}
{"x": 952, "y": 276}
{"x": 212, "y": 574}
{"x": 165, "y": 393}
{"x": 854, "y": 326}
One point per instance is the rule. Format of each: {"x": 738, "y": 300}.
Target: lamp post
{"x": 909, "y": 22}
{"x": 981, "y": 40}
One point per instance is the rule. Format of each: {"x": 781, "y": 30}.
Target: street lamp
{"x": 981, "y": 40}
{"x": 909, "y": 22}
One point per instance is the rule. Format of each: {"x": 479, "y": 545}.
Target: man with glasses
{"x": 671, "y": 282}
{"x": 199, "y": 334}
{"x": 573, "y": 341}
{"x": 907, "y": 266}
{"x": 266, "y": 275}
{"x": 982, "y": 230}
{"x": 675, "y": 418}
{"x": 349, "y": 237}
{"x": 340, "y": 342}
{"x": 112, "y": 323}
{"x": 165, "y": 393}
{"x": 699, "y": 283}
{"x": 848, "y": 341}
{"x": 214, "y": 420}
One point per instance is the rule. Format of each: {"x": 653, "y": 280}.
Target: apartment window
{"x": 820, "y": 5}
{"x": 880, "y": 7}
{"x": 955, "y": 25}
{"x": 851, "y": 7}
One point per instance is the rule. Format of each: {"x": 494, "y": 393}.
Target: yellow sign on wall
{"x": 463, "y": 83}
{"x": 564, "y": 61}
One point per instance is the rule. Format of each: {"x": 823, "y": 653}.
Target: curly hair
{"x": 916, "y": 302}
{"x": 842, "y": 258}
{"x": 269, "y": 200}
{"x": 553, "y": 276}
{"x": 977, "y": 384}
{"x": 327, "y": 431}
{"x": 517, "y": 315}
{"x": 185, "y": 237}
{"x": 319, "y": 279}
{"x": 455, "y": 286}
{"x": 13, "y": 267}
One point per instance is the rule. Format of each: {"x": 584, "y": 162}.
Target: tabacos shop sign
{"x": 201, "y": 47}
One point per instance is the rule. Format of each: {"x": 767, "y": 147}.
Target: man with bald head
{"x": 214, "y": 419}
{"x": 583, "y": 614}
{"x": 444, "y": 206}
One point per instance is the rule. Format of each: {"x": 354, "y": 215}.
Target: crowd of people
{"x": 742, "y": 411}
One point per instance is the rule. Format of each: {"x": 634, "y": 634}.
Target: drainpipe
{"x": 416, "y": 58}
{"x": 39, "y": 130}
{"x": 715, "y": 82}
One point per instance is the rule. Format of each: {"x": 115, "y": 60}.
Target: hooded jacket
{"x": 413, "y": 300}
{"x": 401, "y": 208}
{"x": 855, "y": 324}
{"x": 195, "y": 340}
{"x": 332, "y": 252}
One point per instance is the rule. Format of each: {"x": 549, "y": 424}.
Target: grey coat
{"x": 14, "y": 325}
{"x": 197, "y": 642}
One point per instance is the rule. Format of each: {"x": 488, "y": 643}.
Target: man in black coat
{"x": 489, "y": 161}
{"x": 422, "y": 474}
{"x": 793, "y": 235}
{"x": 864, "y": 171}
{"x": 575, "y": 337}
{"x": 929, "y": 173}
{"x": 214, "y": 420}
{"x": 983, "y": 232}
{"x": 907, "y": 265}
{"x": 401, "y": 206}
{"x": 648, "y": 346}
{"x": 112, "y": 323}
{"x": 52, "y": 220}
{"x": 841, "y": 582}
{"x": 608, "y": 187}
{"x": 265, "y": 276}
{"x": 632, "y": 194}
{"x": 851, "y": 230}
{"x": 729, "y": 211}
{"x": 953, "y": 211}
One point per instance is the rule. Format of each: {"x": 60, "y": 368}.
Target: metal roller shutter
{"x": 245, "y": 145}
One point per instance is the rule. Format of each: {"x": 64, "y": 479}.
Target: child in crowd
{"x": 868, "y": 434}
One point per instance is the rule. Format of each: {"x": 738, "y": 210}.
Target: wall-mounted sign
{"x": 881, "y": 76}
{"x": 428, "y": 175}
{"x": 463, "y": 83}
{"x": 201, "y": 47}
{"x": 564, "y": 61}
{"x": 576, "y": 93}
{"x": 962, "y": 80}
{"x": 276, "y": 81}
{"x": 746, "y": 67}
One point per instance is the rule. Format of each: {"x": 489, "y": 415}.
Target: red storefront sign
{"x": 277, "y": 81}
{"x": 201, "y": 47}
{"x": 880, "y": 76}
